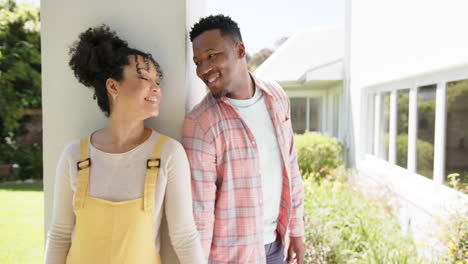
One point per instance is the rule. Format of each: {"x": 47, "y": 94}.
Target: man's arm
{"x": 297, "y": 208}
{"x": 296, "y": 222}
{"x": 202, "y": 158}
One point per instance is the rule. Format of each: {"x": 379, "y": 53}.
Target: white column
{"x": 377, "y": 123}
{"x": 155, "y": 26}
{"x": 440, "y": 133}
{"x": 195, "y": 88}
{"x": 369, "y": 131}
{"x": 393, "y": 127}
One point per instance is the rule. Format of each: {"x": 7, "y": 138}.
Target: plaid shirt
{"x": 226, "y": 180}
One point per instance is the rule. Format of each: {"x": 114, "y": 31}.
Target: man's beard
{"x": 218, "y": 94}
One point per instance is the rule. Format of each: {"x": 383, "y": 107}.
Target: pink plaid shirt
{"x": 226, "y": 181}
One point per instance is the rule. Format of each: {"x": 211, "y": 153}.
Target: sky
{"x": 263, "y": 22}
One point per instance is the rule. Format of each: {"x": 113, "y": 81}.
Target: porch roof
{"x": 307, "y": 56}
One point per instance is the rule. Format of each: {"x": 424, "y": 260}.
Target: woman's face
{"x": 138, "y": 94}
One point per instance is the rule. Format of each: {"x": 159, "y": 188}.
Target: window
{"x": 422, "y": 128}
{"x": 306, "y": 114}
{"x": 384, "y": 126}
{"x": 298, "y": 114}
{"x": 426, "y": 125}
{"x": 456, "y": 144}
{"x": 336, "y": 109}
{"x": 402, "y": 128}
{"x": 314, "y": 113}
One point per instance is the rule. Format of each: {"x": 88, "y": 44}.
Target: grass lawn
{"x": 21, "y": 223}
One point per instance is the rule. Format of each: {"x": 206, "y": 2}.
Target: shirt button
{"x": 253, "y": 142}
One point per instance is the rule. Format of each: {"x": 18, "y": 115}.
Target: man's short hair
{"x": 224, "y": 23}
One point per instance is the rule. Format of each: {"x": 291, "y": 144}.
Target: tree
{"x": 280, "y": 41}
{"x": 258, "y": 58}
{"x": 20, "y": 87}
{"x": 20, "y": 63}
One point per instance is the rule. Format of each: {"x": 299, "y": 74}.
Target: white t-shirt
{"x": 121, "y": 177}
{"x": 255, "y": 114}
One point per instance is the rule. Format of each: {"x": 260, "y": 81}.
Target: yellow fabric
{"x": 109, "y": 232}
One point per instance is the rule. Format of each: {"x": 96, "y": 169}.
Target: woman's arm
{"x": 178, "y": 207}
{"x": 63, "y": 217}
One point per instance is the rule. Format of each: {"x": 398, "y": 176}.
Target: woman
{"x": 112, "y": 186}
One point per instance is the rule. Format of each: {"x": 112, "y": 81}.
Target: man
{"x": 247, "y": 189}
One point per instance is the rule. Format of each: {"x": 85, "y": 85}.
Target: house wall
{"x": 404, "y": 44}
{"x": 156, "y": 26}
{"x": 396, "y": 39}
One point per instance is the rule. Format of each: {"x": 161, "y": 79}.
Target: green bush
{"x": 20, "y": 86}
{"x": 27, "y": 156}
{"x": 317, "y": 154}
{"x": 342, "y": 226}
{"x": 20, "y": 63}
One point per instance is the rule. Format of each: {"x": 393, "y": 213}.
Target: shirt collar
{"x": 260, "y": 85}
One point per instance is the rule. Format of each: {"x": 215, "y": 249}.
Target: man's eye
{"x": 197, "y": 63}
{"x": 212, "y": 55}
{"x": 143, "y": 78}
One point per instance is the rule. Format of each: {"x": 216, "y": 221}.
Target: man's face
{"x": 218, "y": 61}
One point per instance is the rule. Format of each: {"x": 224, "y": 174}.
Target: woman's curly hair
{"x": 99, "y": 54}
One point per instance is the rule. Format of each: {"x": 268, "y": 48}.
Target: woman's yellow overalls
{"x": 109, "y": 232}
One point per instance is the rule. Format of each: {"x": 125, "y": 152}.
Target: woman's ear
{"x": 112, "y": 87}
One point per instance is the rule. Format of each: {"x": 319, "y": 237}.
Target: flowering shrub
{"x": 317, "y": 154}
{"x": 342, "y": 226}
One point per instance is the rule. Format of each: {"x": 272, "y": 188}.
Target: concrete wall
{"x": 389, "y": 40}
{"x": 156, "y": 26}
{"x": 395, "y": 39}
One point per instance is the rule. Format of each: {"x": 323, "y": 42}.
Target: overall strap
{"x": 152, "y": 168}
{"x": 83, "y": 166}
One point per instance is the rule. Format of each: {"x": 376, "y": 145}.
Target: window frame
{"x": 374, "y": 94}
{"x": 330, "y": 108}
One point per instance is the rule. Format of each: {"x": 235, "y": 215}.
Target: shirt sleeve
{"x": 296, "y": 222}
{"x": 202, "y": 157}
{"x": 63, "y": 218}
{"x": 178, "y": 207}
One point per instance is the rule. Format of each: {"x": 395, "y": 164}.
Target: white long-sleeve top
{"x": 121, "y": 177}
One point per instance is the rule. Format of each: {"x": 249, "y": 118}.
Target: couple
{"x": 238, "y": 197}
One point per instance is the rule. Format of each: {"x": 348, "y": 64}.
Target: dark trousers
{"x": 275, "y": 252}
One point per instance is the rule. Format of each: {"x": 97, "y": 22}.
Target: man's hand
{"x": 296, "y": 251}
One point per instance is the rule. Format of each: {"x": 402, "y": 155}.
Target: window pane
{"x": 314, "y": 115}
{"x": 384, "y": 126}
{"x": 456, "y": 148}
{"x": 402, "y": 128}
{"x": 336, "y": 111}
{"x": 298, "y": 114}
{"x": 426, "y": 122}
